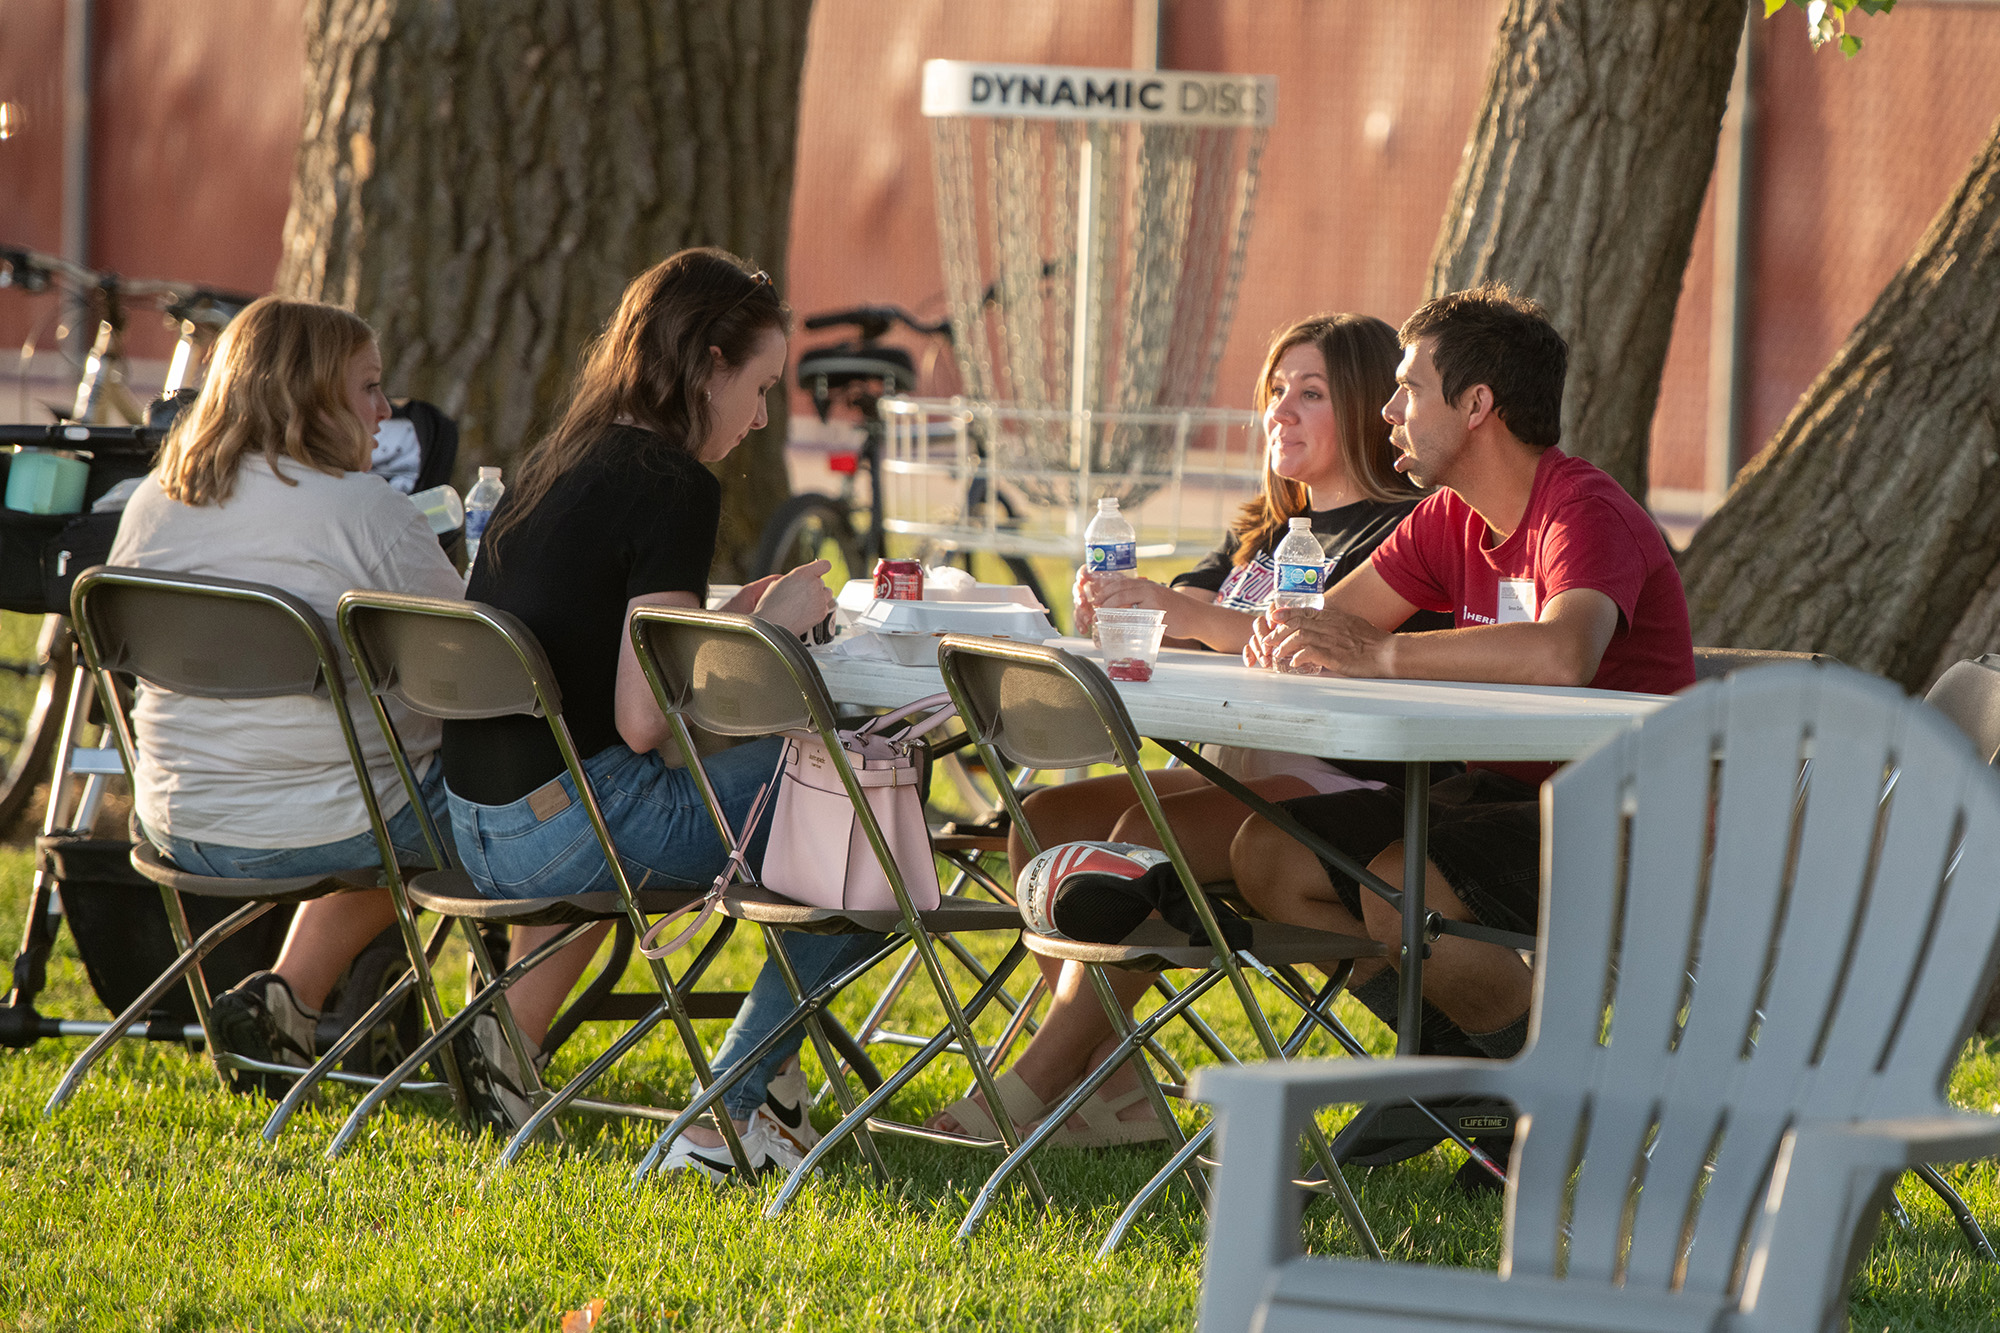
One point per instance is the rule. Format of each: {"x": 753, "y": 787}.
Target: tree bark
{"x": 1581, "y": 186}
{"x": 1870, "y": 528}
{"x": 480, "y": 182}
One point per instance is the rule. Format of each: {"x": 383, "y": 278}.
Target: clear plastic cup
{"x": 1122, "y": 615}
{"x": 1128, "y": 639}
{"x": 442, "y": 507}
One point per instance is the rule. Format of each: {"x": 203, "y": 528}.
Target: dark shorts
{"x": 1485, "y": 838}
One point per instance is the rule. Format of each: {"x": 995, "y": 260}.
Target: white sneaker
{"x": 788, "y": 1103}
{"x": 765, "y": 1146}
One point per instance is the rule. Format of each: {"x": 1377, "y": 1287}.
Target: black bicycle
{"x": 852, "y": 377}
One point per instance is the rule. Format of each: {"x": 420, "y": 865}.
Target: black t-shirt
{"x": 636, "y": 516}
{"x": 1348, "y": 535}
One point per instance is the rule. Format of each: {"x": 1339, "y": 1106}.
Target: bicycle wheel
{"x": 36, "y": 658}
{"x": 812, "y": 527}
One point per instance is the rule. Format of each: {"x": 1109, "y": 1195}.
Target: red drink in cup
{"x": 899, "y": 580}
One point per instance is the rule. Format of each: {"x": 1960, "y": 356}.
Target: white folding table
{"x": 1205, "y": 697}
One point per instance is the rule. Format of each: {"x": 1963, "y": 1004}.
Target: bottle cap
{"x": 1302, "y": 522}
{"x": 1108, "y": 505}
{"x": 492, "y": 472}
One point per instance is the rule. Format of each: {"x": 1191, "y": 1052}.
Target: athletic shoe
{"x": 788, "y": 1102}
{"x": 765, "y": 1145}
{"x": 1088, "y": 890}
{"x": 260, "y": 1018}
{"x": 501, "y": 1098}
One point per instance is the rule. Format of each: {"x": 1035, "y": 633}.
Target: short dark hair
{"x": 1487, "y": 335}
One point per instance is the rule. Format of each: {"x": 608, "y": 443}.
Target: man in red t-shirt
{"x": 1554, "y": 575}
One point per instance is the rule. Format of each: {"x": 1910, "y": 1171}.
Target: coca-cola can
{"x": 899, "y": 580}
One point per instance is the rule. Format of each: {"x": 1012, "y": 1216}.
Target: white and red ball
{"x": 1043, "y": 883}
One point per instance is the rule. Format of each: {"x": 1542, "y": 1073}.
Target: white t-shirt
{"x": 274, "y": 773}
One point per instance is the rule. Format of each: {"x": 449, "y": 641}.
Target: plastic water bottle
{"x": 479, "y": 503}
{"x": 1301, "y": 563}
{"x": 1109, "y": 548}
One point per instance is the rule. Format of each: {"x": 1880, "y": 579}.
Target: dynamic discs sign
{"x": 1169, "y": 97}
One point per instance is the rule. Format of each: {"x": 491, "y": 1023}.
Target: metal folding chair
{"x": 225, "y": 639}
{"x": 736, "y": 675}
{"x": 1043, "y": 707}
{"x": 449, "y": 659}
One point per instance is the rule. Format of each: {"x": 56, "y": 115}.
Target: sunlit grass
{"x": 150, "y": 1202}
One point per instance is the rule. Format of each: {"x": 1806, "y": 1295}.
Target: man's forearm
{"x": 1526, "y": 653}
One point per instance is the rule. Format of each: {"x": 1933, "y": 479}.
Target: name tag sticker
{"x": 1517, "y": 601}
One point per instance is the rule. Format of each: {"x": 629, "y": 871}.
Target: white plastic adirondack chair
{"x": 1743, "y": 967}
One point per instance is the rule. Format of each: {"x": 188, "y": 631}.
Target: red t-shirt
{"x": 1580, "y": 530}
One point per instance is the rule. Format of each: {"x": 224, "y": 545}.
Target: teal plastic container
{"x": 46, "y": 481}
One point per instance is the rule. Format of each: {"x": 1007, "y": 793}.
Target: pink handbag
{"x": 817, "y": 853}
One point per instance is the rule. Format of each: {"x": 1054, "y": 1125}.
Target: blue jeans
{"x": 815, "y": 958}
{"x": 225, "y": 862}
{"x": 656, "y": 815}
{"x": 666, "y": 839}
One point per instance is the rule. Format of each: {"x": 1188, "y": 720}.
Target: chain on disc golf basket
{"x": 1092, "y": 224}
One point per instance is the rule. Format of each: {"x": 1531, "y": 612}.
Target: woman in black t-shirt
{"x": 1321, "y": 393}
{"x": 613, "y": 510}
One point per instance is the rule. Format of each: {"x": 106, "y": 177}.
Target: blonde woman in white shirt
{"x": 266, "y": 479}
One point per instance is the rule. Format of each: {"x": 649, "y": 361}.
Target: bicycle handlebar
{"x": 875, "y": 320}
{"x": 77, "y": 435}
{"x": 31, "y": 270}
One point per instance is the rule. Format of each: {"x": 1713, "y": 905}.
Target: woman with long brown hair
{"x": 1327, "y": 458}
{"x": 266, "y": 479}
{"x": 614, "y": 510}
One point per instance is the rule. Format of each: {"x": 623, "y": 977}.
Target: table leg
{"x": 1416, "y": 848}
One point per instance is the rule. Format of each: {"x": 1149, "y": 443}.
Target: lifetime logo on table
{"x": 1056, "y": 92}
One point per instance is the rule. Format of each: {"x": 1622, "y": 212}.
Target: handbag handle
{"x": 946, "y": 710}
{"x": 704, "y": 906}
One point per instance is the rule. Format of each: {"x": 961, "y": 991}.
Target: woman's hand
{"x": 798, "y": 600}
{"x": 1086, "y": 606}
{"x": 1145, "y": 595}
{"x": 746, "y": 598}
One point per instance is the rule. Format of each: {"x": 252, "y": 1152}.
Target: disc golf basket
{"x": 1092, "y": 224}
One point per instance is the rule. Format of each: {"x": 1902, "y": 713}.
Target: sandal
{"x": 1024, "y": 1108}
{"x": 1102, "y": 1127}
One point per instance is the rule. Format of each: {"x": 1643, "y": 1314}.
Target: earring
{"x": 708, "y": 395}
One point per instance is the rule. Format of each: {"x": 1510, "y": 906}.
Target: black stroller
{"x": 115, "y": 916}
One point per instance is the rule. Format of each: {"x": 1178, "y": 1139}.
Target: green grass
{"x": 150, "y": 1202}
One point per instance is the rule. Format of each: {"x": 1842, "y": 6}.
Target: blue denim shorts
{"x": 656, "y": 815}
{"x": 224, "y": 862}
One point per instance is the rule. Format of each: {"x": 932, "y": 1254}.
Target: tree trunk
{"x": 1870, "y": 528}
{"x": 1581, "y": 186}
{"x": 480, "y": 182}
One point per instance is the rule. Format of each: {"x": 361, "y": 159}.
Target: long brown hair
{"x": 1361, "y": 353}
{"x": 651, "y": 365}
{"x": 279, "y": 387}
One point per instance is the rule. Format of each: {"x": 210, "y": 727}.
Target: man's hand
{"x": 1334, "y": 641}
